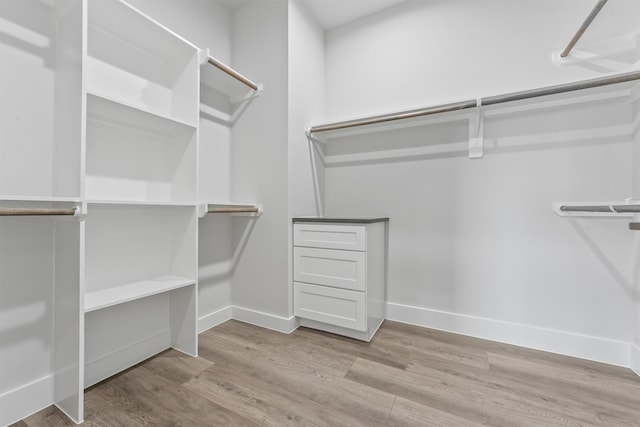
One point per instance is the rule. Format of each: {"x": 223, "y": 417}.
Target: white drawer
{"x": 330, "y": 305}
{"x": 330, "y": 236}
{"x": 330, "y": 267}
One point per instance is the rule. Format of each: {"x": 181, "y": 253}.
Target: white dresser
{"x": 339, "y": 273}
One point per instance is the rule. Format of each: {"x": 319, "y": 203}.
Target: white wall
{"x": 260, "y": 166}
{"x": 27, "y": 94}
{"x": 425, "y": 53}
{"x": 207, "y": 24}
{"x": 306, "y": 102}
{"x": 474, "y": 245}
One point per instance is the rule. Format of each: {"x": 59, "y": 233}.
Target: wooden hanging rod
{"x": 231, "y": 72}
{"x": 583, "y": 28}
{"x": 37, "y": 212}
{"x": 491, "y": 100}
{"x": 234, "y": 209}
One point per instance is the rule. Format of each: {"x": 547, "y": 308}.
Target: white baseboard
{"x": 583, "y": 346}
{"x": 25, "y": 400}
{"x": 265, "y": 320}
{"x": 210, "y": 320}
{"x": 635, "y": 359}
{"x": 119, "y": 360}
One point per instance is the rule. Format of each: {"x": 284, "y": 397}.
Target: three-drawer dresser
{"x": 339, "y": 273}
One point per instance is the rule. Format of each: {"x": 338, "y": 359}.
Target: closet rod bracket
{"x": 476, "y": 133}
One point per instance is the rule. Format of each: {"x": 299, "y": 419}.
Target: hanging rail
{"x": 602, "y": 208}
{"x": 37, "y": 212}
{"x": 231, "y": 72}
{"x": 396, "y": 116}
{"x": 583, "y": 28}
{"x": 234, "y": 209}
{"x": 563, "y": 88}
{"x": 491, "y": 100}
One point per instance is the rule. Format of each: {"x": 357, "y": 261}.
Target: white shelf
{"x": 103, "y": 107}
{"x": 109, "y": 297}
{"x": 135, "y": 59}
{"x": 136, "y": 156}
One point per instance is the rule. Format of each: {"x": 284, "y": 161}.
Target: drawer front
{"x": 330, "y": 305}
{"x": 330, "y": 236}
{"x": 330, "y": 267}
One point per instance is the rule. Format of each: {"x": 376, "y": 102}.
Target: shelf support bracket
{"x": 476, "y": 133}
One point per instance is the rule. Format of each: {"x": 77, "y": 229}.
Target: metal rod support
{"x": 396, "y": 116}
{"x": 36, "y": 212}
{"x": 233, "y": 73}
{"x": 602, "y": 208}
{"x": 583, "y": 28}
{"x": 234, "y": 209}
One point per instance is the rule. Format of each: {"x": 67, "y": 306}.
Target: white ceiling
{"x": 233, "y": 4}
{"x": 333, "y": 13}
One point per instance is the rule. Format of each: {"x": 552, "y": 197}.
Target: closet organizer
{"x": 99, "y": 230}
{"x": 621, "y": 86}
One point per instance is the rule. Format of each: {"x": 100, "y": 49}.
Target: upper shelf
{"x": 332, "y": 129}
{"x": 139, "y": 62}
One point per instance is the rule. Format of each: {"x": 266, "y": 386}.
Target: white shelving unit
{"x": 40, "y": 170}
{"x": 349, "y": 141}
{"x": 136, "y": 155}
{"x": 140, "y": 184}
{"x": 99, "y": 197}
{"x": 138, "y": 62}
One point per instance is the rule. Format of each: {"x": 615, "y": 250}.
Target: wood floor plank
{"x": 407, "y": 376}
{"x": 403, "y": 343}
{"x": 298, "y": 346}
{"x": 593, "y": 397}
{"x": 448, "y": 393}
{"x": 168, "y": 404}
{"x": 354, "y": 348}
{"x": 176, "y": 366}
{"x": 408, "y": 413}
{"x": 352, "y": 402}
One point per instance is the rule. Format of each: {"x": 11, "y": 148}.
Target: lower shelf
{"x": 104, "y": 298}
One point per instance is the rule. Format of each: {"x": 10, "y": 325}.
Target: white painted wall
{"x": 27, "y": 91}
{"x": 260, "y": 164}
{"x": 425, "y": 53}
{"x": 207, "y": 24}
{"x": 474, "y": 246}
{"x": 306, "y": 102}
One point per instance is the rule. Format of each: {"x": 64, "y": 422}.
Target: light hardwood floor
{"x": 407, "y": 375}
